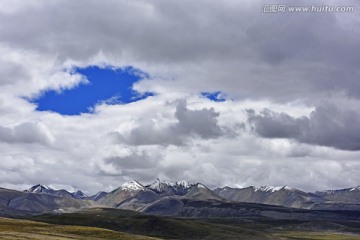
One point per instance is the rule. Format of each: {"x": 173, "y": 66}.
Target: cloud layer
{"x": 189, "y": 123}
{"x": 26, "y": 133}
{"x": 326, "y": 126}
{"x": 302, "y": 68}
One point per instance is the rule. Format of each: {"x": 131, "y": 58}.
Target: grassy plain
{"x": 12, "y": 229}
{"x": 123, "y": 224}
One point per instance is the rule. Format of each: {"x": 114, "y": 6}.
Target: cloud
{"x": 326, "y": 126}
{"x": 135, "y": 160}
{"x": 288, "y": 63}
{"x": 27, "y": 132}
{"x": 27, "y": 73}
{"x": 202, "y": 50}
{"x": 202, "y": 124}
{"x": 270, "y": 124}
{"x": 199, "y": 122}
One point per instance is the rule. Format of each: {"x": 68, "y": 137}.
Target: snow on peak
{"x": 160, "y": 184}
{"x": 39, "y": 189}
{"x": 271, "y": 188}
{"x": 170, "y": 188}
{"x": 183, "y": 183}
{"x": 132, "y": 185}
{"x": 355, "y": 188}
{"x": 340, "y": 190}
{"x": 267, "y": 189}
{"x": 199, "y": 185}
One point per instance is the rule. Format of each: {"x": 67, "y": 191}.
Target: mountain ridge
{"x": 186, "y": 184}
{"x": 43, "y": 189}
{"x": 172, "y": 198}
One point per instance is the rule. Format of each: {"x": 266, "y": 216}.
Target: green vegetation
{"x": 155, "y": 226}
{"x": 123, "y": 221}
{"x": 316, "y": 236}
{"x": 23, "y": 229}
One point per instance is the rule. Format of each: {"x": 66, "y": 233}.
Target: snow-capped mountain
{"x": 271, "y": 188}
{"x": 355, "y": 188}
{"x": 133, "y": 195}
{"x": 168, "y": 188}
{"x": 163, "y": 197}
{"x": 346, "y": 195}
{"x": 126, "y": 192}
{"x": 42, "y": 189}
{"x": 132, "y": 186}
{"x": 38, "y": 199}
{"x": 281, "y": 196}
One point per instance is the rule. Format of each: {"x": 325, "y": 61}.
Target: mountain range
{"x": 177, "y": 199}
{"x": 41, "y": 189}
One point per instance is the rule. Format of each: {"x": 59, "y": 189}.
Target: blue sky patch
{"x": 214, "y": 96}
{"x": 106, "y": 85}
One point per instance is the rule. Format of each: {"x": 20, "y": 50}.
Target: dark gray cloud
{"x": 327, "y": 125}
{"x": 270, "y": 124}
{"x": 189, "y": 123}
{"x": 136, "y": 160}
{"x": 174, "y": 31}
{"x": 202, "y": 123}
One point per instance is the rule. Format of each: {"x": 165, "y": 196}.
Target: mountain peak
{"x": 171, "y": 188}
{"x": 355, "y": 188}
{"x": 199, "y": 185}
{"x": 159, "y": 183}
{"x": 79, "y": 194}
{"x": 286, "y": 187}
{"x": 333, "y": 191}
{"x": 132, "y": 185}
{"x": 183, "y": 183}
{"x": 272, "y": 189}
{"x": 39, "y": 188}
{"x": 42, "y": 189}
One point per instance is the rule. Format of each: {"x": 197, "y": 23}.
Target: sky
{"x": 97, "y": 93}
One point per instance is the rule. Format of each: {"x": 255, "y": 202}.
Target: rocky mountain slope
{"x": 14, "y": 203}
{"x": 167, "y": 198}
{"x": 347, "y": 195}
{"x": 345, "y": 199}
{"x": 42, "y": 189}
{"x": 280, "y": 196}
